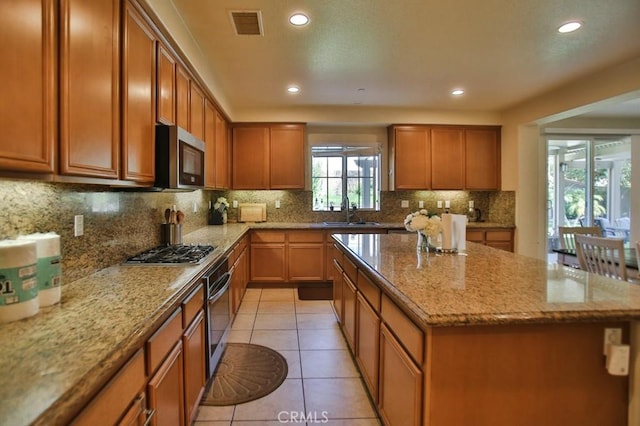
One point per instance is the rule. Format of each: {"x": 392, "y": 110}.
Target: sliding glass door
{"x": 588, "y": 184}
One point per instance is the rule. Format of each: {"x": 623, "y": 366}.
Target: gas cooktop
{"x": 172, "y": 255}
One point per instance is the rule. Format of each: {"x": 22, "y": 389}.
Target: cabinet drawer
{"x": 370, "y": 291}
{"x": 192, "y": 305}
{"x": 306, "y": 236}
{"x": 350, "y": 269}
{"x": 117, "y": 395}
{"x": 268, "y": 237}
{"x": 475, "y": 236}
{"x": 337, "y": 254}
{"x": 498, "y": 236}
{"x": 159, "y": 345}
{"x": 409, "y": 335}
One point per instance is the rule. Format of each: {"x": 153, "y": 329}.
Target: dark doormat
{"x": 246, "y": 372}
{"x": 315, "y": 291}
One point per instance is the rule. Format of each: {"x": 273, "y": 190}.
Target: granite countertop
{"x": 486, "y": 285}
{"x": 54, "y": 362}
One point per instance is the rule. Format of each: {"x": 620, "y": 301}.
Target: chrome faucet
{"x": 345, "y": 206}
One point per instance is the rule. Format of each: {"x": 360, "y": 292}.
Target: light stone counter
{"x": 55, "y": 361}
{"x": 487, "y": 286}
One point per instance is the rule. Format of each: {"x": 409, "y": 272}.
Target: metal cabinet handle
{"x": 150, "y": 413}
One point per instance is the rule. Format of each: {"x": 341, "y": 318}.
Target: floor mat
{"x": 246, "y": 372}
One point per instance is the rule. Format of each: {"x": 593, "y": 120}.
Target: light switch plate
{"x": 404, "y": 203}
{"x": 447, "y": 204}
{"x": 439, "y": 204}
{"x": 78, "y": 225}
{"x": 277, "y": 204}
{"x": 235, "y": 204}
{"x": 421, "y": 204}
{"x": 471, "y": 204}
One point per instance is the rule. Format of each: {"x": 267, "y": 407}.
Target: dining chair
{"x": 566, "y": 233}
{"x": 602, "y": 256}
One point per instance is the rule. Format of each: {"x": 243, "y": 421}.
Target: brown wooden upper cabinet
{"x": 139, "y": 98}
{"x": 210, "y": 145}
{"x": 223, "y": 153}
{"x": 89, "y": 88}
{"x": 28, "y": 107}
{"x": 410, "y": 157}
{"x": 196, "y": 113}
{"x": 444, "y": 157}
{"x": 182, "y": 98}
{"x": 268, "y": 156}
{"x": 166, "y": 87}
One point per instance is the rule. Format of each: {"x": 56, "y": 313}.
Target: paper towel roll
{"x": 459, "y": 226}
{"x": 18, "y": 281}
{"x": 49, "y": 266}
{"x": 447, "y": 231}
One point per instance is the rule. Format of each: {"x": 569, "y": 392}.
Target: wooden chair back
{"x": 602, "y": 256}
{"x": 566, "y": 233}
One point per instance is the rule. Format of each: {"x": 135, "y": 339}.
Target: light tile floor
{"x": 323, "y": 385}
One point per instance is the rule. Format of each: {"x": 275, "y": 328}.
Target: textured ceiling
{"x": 408, "y": 53}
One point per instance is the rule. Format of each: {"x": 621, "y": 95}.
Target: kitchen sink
{"x": 339, "y": 224}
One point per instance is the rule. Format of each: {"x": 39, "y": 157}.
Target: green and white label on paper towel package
{"x": 18, "y": 285}
{"x": 49, "y": 272}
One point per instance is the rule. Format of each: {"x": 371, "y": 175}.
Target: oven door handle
{"x": 219, "y": 286}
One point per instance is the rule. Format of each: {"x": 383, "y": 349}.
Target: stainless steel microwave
{"x": 179, "y": 159}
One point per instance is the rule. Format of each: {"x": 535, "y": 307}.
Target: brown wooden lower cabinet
{"x": 268, "y": 262}
{"x": 137, "y": 414}
{"x": 400, "y": 394}
{"x": 500, "y": 238}
{"x": 166, "y": 390}
{"x": 195, "y": 376}
{"x": 338, "y": 290}
{"x": 349, "y": 321}
{"x": 368, "y": 346}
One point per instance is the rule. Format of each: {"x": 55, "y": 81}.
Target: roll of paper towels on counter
{"x": 49, "y": 266}
{"x": 18, "y": 280}
{"x": 454, "y": 231}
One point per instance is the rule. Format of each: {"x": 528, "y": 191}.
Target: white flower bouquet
{"x": 421, "y": 221}
{"x": 221, "y": 204}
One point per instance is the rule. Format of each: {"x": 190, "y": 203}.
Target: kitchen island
{"x": 485, "y": 337}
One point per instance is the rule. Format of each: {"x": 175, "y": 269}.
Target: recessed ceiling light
{"x": 569, "y": 27}
{"x": 293, "y": 89}
{"x": 457, "y": 92}
{"x": 299, "y": 19}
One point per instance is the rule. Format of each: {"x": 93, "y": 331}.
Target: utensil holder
{"x": 171, "y": 233}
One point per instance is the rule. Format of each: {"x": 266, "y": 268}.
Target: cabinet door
{"x": 210, "y": 145}
{"x": 500, "y": 239}
{"x": 368, "y": 345}
{"x": 250, "y": 158}
{"x": 447, "y": 158}
{"x": 166, "y": 90}
{"x": 412, "y": 158}
{"x": 166, "y": 390}
{"x": 482, "y": 156}
{"x": 400, "y": 398}
{"x": 139, "y": 101}
{"x": 287, "y": 157}
{"x": 349, "y": 312}
{"x": 137, "y": 413}
{"x": 89, "y": 88}
{"x": 338, "y": 292}
{"x": 268, "y": 262}
{"x": 475, "y": 236}
{"x": 195, "y": 376}
{"x": 306, "y": 262}
{"x": 182, "y": 98}
{"x": 222, "y": 153}
{"x": 196, "y": 113}
{"x": 28, "y": 107}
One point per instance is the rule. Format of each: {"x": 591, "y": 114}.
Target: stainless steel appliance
{"x": 172, "y": 255}
{"x": 218, "y": 312}
{"x": 179, "y": 159}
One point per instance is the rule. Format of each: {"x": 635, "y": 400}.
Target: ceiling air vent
{"x": 247, "y": 22}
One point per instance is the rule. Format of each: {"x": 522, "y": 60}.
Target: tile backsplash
{"x": 119, "y": 224}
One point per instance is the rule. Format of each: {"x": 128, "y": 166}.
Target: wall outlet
{"x": 78, "y": 225}
{"x": 612, "y": 336}
{"x": 235, "y": 204}
{"x": 439, "y": 204}
{"x": 277, "y": 204}
{"x": 404, "y": 204}
{"x": 421, "y": 204}
{"x": 471, "y": 204}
